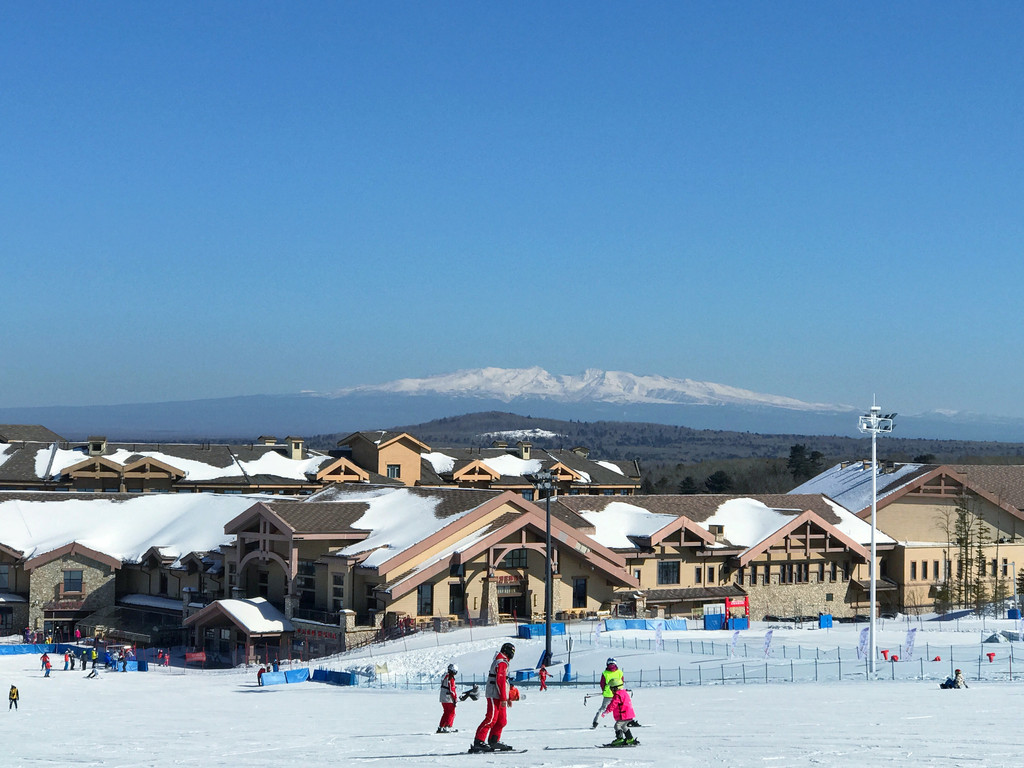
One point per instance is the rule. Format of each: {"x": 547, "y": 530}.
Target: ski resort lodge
{"x": 294, "y": 551}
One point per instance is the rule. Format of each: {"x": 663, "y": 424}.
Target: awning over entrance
{"x": 255, "y": 617}
{"x": 881, "y": 585}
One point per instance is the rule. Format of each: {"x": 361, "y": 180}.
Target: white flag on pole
{"x": 732, "y": 645}
{"x": 768, "y": 643}
{"x": 658, "y": 642}
{"x": 909, "y": 644}
{"x": 862, "y": 646}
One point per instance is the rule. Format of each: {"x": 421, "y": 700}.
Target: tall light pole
{"x": 544, "y": 483}
{"x": 874, "y": 423}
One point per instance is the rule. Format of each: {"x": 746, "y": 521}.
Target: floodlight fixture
{"x": 874, "y": 424}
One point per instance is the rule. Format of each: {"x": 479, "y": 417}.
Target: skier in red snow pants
{"x": 448, "y": 698}
{"x": 543, "y": 674}
{"x": 488, "y": 734}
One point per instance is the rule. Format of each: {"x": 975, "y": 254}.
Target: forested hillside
{"x": 683, "y": 460}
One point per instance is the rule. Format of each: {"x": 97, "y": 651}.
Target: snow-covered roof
{"x": 257, "y": 615}
{"x": 122, "y": 526}
{"x": 849, "y": 484}
{"x": 513, "y": 466}
{"x": 151, "y": 601}
{"x": 217, "y": 463}
{"x": 441, "y": 462}
{"x": 619, "y": 520}
{"x": 396, "y": 518}
{"x": 746, "y": 521}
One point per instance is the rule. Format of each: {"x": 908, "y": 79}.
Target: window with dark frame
{"x": 337, "y": 591}
{"x": 425, "y": 600}
{"x": 516, "y": 558}
{"x": 395, "y": 471}
{"x": 668, "y": 572}
{"x": 72, "y": 581}
{"x": 579, "y": 593}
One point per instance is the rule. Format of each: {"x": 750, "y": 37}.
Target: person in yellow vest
{"x": 13, "y": 698}
{"x": 611, "y": 679}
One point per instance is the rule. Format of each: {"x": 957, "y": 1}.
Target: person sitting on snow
{"x": 957, "y": 681}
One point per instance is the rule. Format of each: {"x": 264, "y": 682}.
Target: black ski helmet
{"x": 508, "y": 650}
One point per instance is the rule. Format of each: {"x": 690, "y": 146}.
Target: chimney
{"x": 97, "y": 445}
{"x": 718, "y": 531}
{"x": 267, "y": 440}
{"x": 844, "y": 464}
{"x": 295, "y": 447}
{"x": 524, "y": 449}
{"x": 581, "y": 450}
{"x": 499, "y": 444}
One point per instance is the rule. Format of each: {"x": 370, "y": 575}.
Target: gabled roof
{"x": 146, "y": 463}
{"x": 92, "y": 463}
{"x": 255, "y": 616}
{"x": 344, "y": 469}
{"x": 750, "y": 523}
{"x": 74, "y": 548}
{"x": 479, "y": 538}
{"x": 849, "y": 484}
{"x": 382, "y": 438}
{"x": 473, "y": 470}
{"x": 32, "y": 433}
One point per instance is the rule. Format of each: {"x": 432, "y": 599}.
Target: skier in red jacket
{"x": 448, "y": 698}
{"x": 488, "y": 734}
{"x": 543, "y": 675}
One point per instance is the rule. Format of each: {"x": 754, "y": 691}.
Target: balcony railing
{"x": 321, "y": 617}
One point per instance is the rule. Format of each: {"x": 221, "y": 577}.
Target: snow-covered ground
{"x": 167, "y": 717}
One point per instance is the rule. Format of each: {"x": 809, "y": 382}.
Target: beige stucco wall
{"x": 923, "y": 520}
{"x": 404, "y": 456}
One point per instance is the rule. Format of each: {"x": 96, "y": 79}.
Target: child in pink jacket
{"x": 621, "y": 708}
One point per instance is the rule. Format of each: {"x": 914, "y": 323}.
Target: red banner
{"x": 197, "y": 656}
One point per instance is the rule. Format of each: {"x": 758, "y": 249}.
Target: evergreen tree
{"x": 803, "y": 465}
{"x": 980, "y": 596}
{"x": 689, "y": 486}
{"x": 718, "y": 482}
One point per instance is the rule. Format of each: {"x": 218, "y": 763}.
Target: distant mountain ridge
{"x": 593, "y": 385}
{"x": 594, "y": 395}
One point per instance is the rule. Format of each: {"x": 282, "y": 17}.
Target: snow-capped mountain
{"x": 594, "y": 395}
{"x": 511, "y": 384}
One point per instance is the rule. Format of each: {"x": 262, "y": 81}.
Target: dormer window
{"x": 97, "y": 446}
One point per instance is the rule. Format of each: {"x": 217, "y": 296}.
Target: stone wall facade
{"x": 47, "y": 586}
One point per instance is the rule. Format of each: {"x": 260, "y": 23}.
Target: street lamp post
{"x": 874, "y": 423}
{"x": 545, "y": 484}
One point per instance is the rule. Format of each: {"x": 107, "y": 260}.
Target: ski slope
{"x": 167, "y": 717}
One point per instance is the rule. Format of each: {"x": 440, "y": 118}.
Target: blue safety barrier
{"x": 714, "y": 621}
{"x": 21, "y": 648}
{"x": 530, "y": 631}
{"x": 334, "y": 678}
{"x": 612, "y": 625}
{"x": 825, "y": 621}
{"x": 273, "y": 678}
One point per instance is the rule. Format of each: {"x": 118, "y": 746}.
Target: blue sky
{"x": 819, "y": 200}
